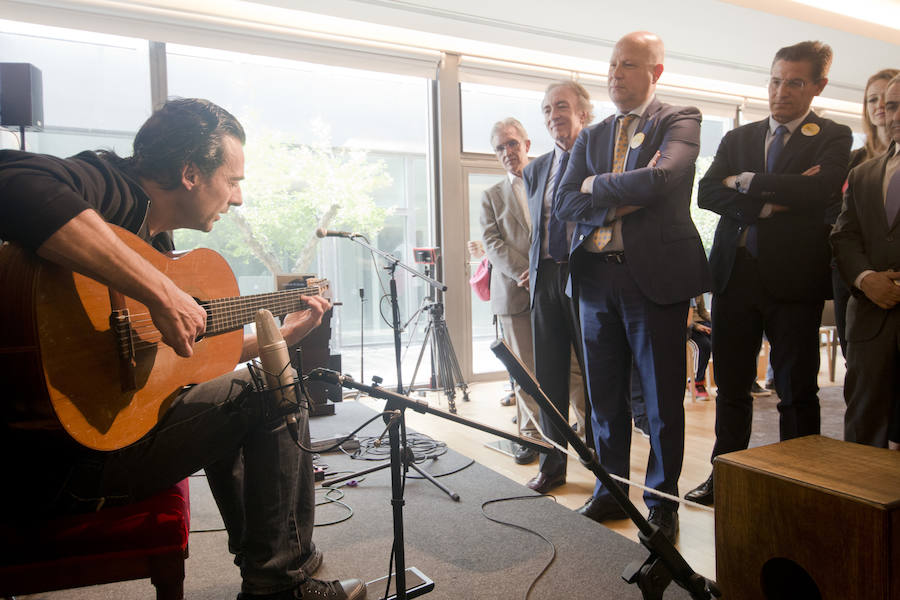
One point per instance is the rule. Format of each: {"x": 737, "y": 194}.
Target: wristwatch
{"x": 737, "y": 182}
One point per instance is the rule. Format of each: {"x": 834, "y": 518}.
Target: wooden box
{"x": 816, "y": 505}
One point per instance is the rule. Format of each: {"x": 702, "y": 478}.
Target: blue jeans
{"x": 262, "y": 482}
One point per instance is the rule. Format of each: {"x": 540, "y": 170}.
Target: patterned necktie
{"x": 601, "y": 236}
{"x": 892, "y": 199}
{"x": 557, "y": 240}
{"x": 775, "y": 148}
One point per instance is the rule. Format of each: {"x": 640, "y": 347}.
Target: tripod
{"x": 444, "y": 366}
{"x": 396, "y": 426}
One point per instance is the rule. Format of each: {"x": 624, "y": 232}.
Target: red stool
{"x": 144, "y": 539}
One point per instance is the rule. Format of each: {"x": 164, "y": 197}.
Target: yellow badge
{"x": 637, "y": 140}
{"x": 810, "y": 129}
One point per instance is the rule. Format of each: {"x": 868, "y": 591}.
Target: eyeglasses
{"x": 510, "y": 146}
{"x": 791, "y": 84}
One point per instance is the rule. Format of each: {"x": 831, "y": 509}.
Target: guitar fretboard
{"x": 228, "y": 314}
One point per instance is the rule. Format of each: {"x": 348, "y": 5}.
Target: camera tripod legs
{"x": 446, "y": 373}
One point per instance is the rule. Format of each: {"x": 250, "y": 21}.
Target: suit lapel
{"x": 798, "y": 143}
{"x": 757, "y": 146}
{"x": 644, "y": 126}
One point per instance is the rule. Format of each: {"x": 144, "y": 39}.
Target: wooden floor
{"x": 696, "y": 540}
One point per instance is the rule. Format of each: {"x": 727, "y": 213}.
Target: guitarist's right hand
{"x": 180, "y": 320}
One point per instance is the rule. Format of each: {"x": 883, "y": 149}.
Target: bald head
{"x": 634, "y": 68}
{"x": 648, "y": 42}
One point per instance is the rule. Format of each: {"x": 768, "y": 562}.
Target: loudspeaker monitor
{"x": 21, "y": 96}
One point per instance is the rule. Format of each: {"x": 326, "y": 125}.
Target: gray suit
{"x": 863, "y": 240}
{"x": 507, "y": 237}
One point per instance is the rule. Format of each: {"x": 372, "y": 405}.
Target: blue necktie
{"x": 775, "y": 149}
{"x": 558, "y": 242}
{"x": 892, "y": 199}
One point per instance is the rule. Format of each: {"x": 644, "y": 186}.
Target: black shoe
{"x": 757, "y": 390}
{"x": 770, "y": 385}
{"x": 525, "y": 455}
{"x": 602, "y": 510}
{"x": 543, "y": 483}
{"x": 666, "y": 520}
{"x": 316, "y": 589}
{"x": 703, "y": 493}
{"x": 642, "y": 426}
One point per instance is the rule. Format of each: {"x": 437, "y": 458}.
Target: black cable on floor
{"x": 527, "y": 530}
{"x": 329, "y": 492}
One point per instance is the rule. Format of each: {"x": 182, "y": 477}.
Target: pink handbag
{"x": 481, "y": 280}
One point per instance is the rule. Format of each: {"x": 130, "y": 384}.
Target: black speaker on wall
{"x": 21, "y": 96}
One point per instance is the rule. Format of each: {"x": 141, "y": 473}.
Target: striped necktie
{"x": 557, "y": 240}
{"x": 600, "y": 236}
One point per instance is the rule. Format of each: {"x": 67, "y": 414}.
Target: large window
{"x": 326, "y": 147}
{"x": 96, "y": 88}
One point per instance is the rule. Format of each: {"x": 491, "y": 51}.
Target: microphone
{"x": 322, "y": 232}
{"x": 281, "y": 378}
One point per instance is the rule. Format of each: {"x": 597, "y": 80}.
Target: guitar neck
{"x": 228, "y": 314}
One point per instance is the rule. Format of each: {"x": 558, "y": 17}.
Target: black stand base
{"x": 417, "y": 585}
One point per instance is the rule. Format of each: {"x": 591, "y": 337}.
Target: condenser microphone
{"x": 322, "y": 232}
{"x": 281, "y": 378}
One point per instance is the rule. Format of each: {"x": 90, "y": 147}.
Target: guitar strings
{"x": 225, "y": 314}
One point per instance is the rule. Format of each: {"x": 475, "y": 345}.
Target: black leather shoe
{"x": 525, "y": 456}
{"x": 543, "y": 483}
{"x": 666, "y": 519}
{"x": 602, "y": 510}
{"x": 703, "y": 493}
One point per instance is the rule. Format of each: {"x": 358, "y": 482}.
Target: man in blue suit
{"x": 636, "y": 261}
{"x": 773, "y": 182}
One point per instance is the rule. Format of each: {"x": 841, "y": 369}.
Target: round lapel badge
{"x": 810, "y": 129}
{"x": 637, "y": 140}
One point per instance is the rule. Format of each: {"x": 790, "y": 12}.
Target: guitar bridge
{"x": 120, "y": 324}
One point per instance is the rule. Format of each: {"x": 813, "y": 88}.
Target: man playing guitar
{"x": 185, "y": 171}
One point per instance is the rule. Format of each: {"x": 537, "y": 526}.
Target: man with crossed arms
{"x": 636, "y": 261}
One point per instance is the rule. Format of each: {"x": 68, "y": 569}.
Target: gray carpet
{"x": 453, "y": 543}
{"x": 765, "y": 416}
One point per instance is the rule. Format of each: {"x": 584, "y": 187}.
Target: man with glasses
{"x": 506, "y": 232}
{"x": 772, "y": 182}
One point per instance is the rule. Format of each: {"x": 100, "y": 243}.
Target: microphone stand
{"x": 393, "y": 263}
{"x": 665, "y": 563}
{"x": 400, "y": 457}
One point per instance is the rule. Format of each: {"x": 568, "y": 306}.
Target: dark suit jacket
{"x": 661, "y": 243}
{"x": 863, "y": 240}
{"x": 793, "y": 246}
{"x": 535, "y": 175}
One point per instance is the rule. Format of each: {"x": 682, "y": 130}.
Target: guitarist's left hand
{"x": 297, "y": 325}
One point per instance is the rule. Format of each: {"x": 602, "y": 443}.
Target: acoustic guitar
{"x": 78, "y": 356}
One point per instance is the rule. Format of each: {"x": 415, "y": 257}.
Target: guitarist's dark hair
{"x": 183, "y": 131}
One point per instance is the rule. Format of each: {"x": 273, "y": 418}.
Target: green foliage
{"x": 705, "y": 220}
{"x": 289, "y": 191}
